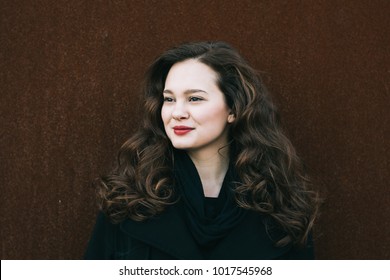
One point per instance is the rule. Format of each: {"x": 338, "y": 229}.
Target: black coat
{"x": 167, "y": 236}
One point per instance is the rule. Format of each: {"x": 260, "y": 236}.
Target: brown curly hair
{"x": 273, "y": 180}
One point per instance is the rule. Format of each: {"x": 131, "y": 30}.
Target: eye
{"x": 168, "y": 99}
{"x": 194, "y": 99}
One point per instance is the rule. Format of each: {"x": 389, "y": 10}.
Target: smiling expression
{"x": 194, "y": 112}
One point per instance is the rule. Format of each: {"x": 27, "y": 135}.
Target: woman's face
{"x": 194, "y": 112}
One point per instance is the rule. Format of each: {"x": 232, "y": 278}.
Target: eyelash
{"x": 195, "y": 97}
{"x": 168, "y": 99}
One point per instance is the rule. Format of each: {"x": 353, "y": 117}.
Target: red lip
{"x": 181, "y": 130}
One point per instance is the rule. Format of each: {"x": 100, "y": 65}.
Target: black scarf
{"x": 206, "y": 231}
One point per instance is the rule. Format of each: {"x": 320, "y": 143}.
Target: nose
{"x": 180, "y": 111}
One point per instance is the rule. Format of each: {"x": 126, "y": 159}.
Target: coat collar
{"x": 169, "y": 233}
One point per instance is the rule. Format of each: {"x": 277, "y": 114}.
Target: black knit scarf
{"x": 206, "y": 231}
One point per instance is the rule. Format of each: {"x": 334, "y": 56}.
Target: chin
{"x": 181, "y": 146}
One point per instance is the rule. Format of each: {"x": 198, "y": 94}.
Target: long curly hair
{"x": 273, "y": 179}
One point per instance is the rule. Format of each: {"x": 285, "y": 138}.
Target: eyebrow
{"x": 188, "y": 91}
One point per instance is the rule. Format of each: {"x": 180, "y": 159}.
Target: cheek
{"x": 213, "y": 116}
{"x": 165, "y": 120}
{"x": 164, "y": 115}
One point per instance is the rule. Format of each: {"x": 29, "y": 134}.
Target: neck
{"x": 212, "y": 168}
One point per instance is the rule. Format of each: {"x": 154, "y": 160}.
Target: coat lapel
{"x": 166, "y": 232}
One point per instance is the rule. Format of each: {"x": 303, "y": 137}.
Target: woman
{"x": 210, "y": 174}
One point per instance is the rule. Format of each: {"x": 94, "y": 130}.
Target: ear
{"x": 231, "y": 118}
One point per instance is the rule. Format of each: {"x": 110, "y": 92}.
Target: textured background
{"x": 69, "y": 85}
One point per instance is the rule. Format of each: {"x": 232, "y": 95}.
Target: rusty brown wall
{"x": 70, "y": 74}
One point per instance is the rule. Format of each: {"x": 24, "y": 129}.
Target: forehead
{"x": 190, "y": 73}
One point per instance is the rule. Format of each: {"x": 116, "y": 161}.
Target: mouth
{"x": 181, "y": 130}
